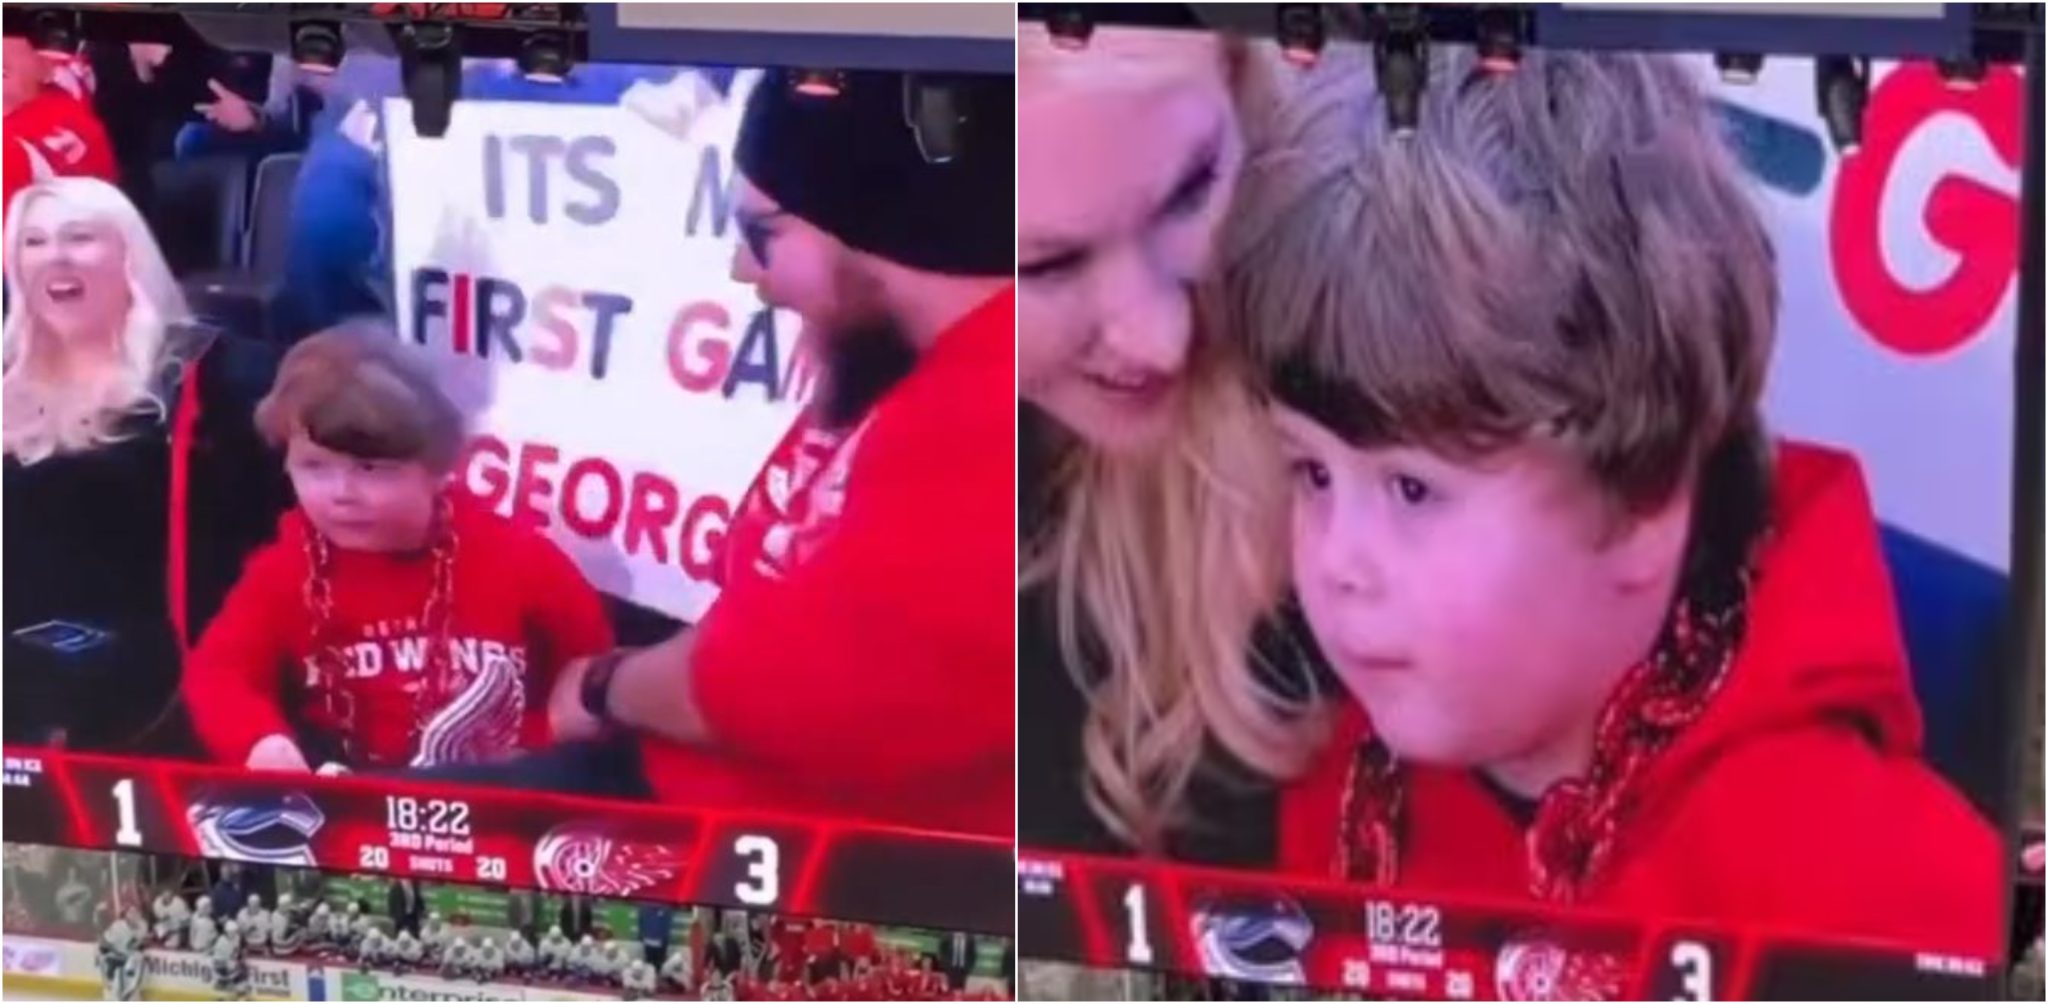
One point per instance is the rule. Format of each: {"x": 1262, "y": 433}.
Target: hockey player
{"x": 230, "y": 965}
{"x": 286, "y": 933}
{"x": 455, "y": 959}
{"x": 408, "y": 950}
{"x": 554, "y": 952}
{"x": 587, "y": 961}
{"x": 490, "y": 961}
{"x": 622, "y": 954}
{"x": 320, "y": 928}
{"x": 172, "y": 918}
{"x": 677, "y": 970}
{"x": 374, "y": 950}
{"x": 204, "y": 929}
{"x": 254, "y": 922}
{"x": 354, "y": 925}
{"x": 638, "y": 980}
{"x": 519, "y": 955}
{"x": 434, "y": 936}
{"x": 119, "y": 955}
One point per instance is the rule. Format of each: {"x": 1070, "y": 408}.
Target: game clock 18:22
{"x": 1408, "y": 925}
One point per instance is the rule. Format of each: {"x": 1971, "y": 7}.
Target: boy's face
{"x": 363, "y": 505}
{"x": 1480, "y": 612}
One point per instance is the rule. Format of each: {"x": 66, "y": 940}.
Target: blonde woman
{"x": 131, "y": 468}
{"x": 1148, "y": 715}
{"x": 86, "y": 350}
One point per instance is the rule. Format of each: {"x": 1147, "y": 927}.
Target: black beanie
{"x": 851, "y": 166}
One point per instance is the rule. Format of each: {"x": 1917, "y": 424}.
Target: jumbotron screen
{"x": 1517, "y": 523}
{"x": 489, "y": 470}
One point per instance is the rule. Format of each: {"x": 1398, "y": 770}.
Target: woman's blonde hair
{"x": 46, "y": 421}
{"x": 1162, "y": 564}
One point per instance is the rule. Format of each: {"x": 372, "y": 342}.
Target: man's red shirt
{"x": 859, "y": 661}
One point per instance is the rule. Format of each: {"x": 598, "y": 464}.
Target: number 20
{"x": 763, "y": 884}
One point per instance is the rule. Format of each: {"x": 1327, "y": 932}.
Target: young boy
{"x": 394, "y": 621}
{"x": 1608, "y": 643}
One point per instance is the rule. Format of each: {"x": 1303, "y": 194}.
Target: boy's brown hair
{"x": 358, "y": 389}
{"x": 1567, "y": 249}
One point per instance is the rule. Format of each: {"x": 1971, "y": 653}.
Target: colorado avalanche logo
{"x": 272, "y": 829}
{"x": 585, "y": 858}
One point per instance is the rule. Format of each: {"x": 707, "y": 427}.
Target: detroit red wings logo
{"x": 1536, "y": 967}
{"x": 481, "y": 723}
{"x": 587, "y": 858}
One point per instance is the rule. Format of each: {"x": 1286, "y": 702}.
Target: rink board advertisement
{"x": 38, "y": 965}
{"x": 68, "y": 967}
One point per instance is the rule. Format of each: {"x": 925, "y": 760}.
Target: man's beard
{"x": 862, "y": 363}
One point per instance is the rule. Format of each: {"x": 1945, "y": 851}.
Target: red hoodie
{"x": 1797, "y": 801}
{"x": 521, "y": 610}
{"x": 55, "y": 135}
{"x": 859, "y": 660}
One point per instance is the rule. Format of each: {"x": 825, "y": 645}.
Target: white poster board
{"x": 569, "y": 266}
{"x": 1896, "y": 337}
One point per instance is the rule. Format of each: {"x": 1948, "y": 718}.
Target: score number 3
{"x": 1694, "y": 966}
{"x": 763, "y": 884}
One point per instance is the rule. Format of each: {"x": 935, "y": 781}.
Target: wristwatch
{"x": 597, "y": 683}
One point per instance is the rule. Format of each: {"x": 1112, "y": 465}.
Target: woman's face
{"x": 74, "y": 271}
{"x": 1129, "y": 150}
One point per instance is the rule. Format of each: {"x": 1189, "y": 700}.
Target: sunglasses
{"x": 758, "y": 232}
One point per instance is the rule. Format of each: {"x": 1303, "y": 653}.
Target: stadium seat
{"x": 200, "y": 212}
{"x": 239, "y": 295}
{"x": 270, "y": 215}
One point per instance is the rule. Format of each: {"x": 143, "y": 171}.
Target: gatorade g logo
{"x": 1958, "y": 217}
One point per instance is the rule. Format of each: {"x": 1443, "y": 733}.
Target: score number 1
{"x": 1138, "y": 947}
{"x": 127, "y": 833}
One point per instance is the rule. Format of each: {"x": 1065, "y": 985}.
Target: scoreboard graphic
{"x": 1336, "y": 936}
{"x": 516, "y": 839}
